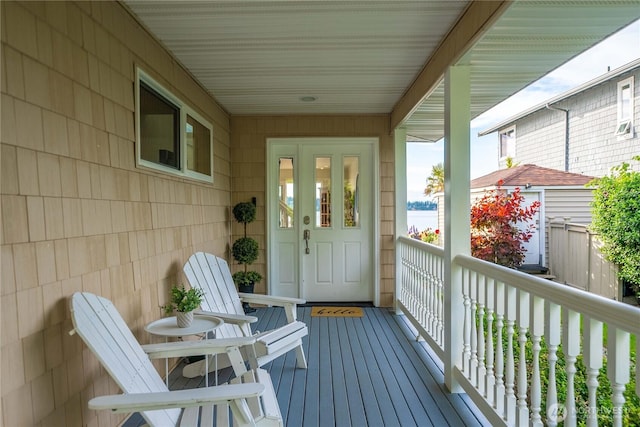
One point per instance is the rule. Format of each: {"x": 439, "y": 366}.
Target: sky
{"x": 615, "y": 51}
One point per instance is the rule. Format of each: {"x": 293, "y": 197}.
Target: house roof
{"x": 372, "y": 57}
{"x": 530, "y": 175}
{"x": 583, "y": 87}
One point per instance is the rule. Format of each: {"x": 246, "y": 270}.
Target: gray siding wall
{"x": 561, "y": 204}
{"x": 540, "y": 140}
{"x": 593, "y": 147}
{"x": 574, "y": 204}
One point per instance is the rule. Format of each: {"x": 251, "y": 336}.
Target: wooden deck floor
{"x": 367, "y": 371}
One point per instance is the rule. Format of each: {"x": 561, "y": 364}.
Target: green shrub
{"x": 244, "y": 212}
{"x": 245, "y": 250}
{"x": 246, "y": 278}
{"x": 616, "y": 219}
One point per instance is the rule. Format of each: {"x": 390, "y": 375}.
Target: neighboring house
{"x": 561, "y": 195}
{"x": 585, "y": 130}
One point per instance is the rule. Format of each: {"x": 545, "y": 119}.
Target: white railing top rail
{"x": 419, "y": 244}
{"x": 614, "y": 313}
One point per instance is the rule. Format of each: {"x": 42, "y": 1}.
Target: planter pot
{"x": 248, "y": 289}
{"x": 184, "y": 319}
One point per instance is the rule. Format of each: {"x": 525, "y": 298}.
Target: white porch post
{"x": 400, "y": 173}
{"x": 457, "y": 208}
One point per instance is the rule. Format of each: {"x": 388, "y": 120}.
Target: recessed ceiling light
{"x": 308, "y": 98}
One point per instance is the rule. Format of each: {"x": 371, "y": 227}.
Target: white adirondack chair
{"x": 251, "y": 397}
{"x": 221, "y": 299}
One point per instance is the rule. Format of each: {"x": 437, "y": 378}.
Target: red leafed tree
{"x": 498, "y": 226}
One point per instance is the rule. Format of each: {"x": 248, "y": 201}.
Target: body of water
{"x": 422, "y": 219}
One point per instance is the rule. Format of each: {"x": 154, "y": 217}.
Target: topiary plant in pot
{"x": 245, "y": 251}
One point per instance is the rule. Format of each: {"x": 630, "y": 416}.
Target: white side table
{"x": 168, "y": 327}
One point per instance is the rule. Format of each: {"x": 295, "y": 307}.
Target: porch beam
{"x": 457, "y": 118}
{"x": 476, "y": 20}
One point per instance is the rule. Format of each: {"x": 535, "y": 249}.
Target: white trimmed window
{"x": 170, "y": 136}
{"x": 624, "y": 126}
{"x": 508, "y": 143}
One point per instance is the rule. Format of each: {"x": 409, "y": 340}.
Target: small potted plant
{"x": 245, "y": 252}
{"x": 184, "y": 301}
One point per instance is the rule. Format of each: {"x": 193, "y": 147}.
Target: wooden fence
{"x": 575, "y": 259}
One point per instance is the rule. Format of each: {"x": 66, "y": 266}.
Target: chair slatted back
{"x": 106, "y": 334}
{"x": 203, "y": 270}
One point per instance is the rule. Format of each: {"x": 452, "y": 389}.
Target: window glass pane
{"x": 507, "y": 144}
{"x": 323, "y": 191}
{"x": 198, "y": 147}
{"x": 286, "y": 193}
{"x": 625, "y": 102}
{"x": 351, "y": 174}
{"x": 159, "y": 129}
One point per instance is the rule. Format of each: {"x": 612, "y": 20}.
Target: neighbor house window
{"x": 171, "y": 137}
{"x": 624, "y": 125}
{"x": 508, "y": 143}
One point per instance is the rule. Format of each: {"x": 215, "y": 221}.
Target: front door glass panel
{"x": 351, "y": 173}
{"x": 323, "y": 191}
{"x": 286, "y": 195}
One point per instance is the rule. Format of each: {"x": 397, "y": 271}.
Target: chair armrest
{"x": 195, "y": 348}
{"x": 234, "y": 319}
{"x": 270, "y": 300}
{"x": 176, "y": 399}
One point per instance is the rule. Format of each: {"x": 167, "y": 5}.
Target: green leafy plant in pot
{"x": 184, "y": 301}
{"x": 245, "y": 252}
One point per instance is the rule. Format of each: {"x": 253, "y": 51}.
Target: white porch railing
{"x": 512, "y": 321}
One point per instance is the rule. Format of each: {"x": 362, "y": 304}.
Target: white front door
{"x": 322, "y": 216}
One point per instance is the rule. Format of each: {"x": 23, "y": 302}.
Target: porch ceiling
{"x": 361, "y": 57}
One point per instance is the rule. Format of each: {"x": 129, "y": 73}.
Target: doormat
{"x": 324, "y": 311}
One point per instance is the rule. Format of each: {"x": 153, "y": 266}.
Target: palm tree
{"x": 510, "y": 162}
{"x": 435, "y": 181}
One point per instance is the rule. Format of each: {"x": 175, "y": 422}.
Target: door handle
{"x": 306, "y": 235}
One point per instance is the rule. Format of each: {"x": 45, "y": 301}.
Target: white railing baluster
{"x": 422, "y": 285}
{"x": 552, "y": 335}
{"x": 537, "y": 329}
{"x": 499, "y": 364}
{"x": 592, "y": 353}
{"x": 418, "y": 285}
{"x": 617, "y": 369}
{"x": 425, "y": 292}
{"x": 440, "y": 281}
{"x": 430, "y": 295}
{"x": 466, "y": 327}
{"x": 571, "y": 347}
{"x": 482, "y": 370}
{"x": 510, "y": 397}
{"x": 473, "y": 366}
{"x": 491, "y": 380}
{"x": 523, "y": 326}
